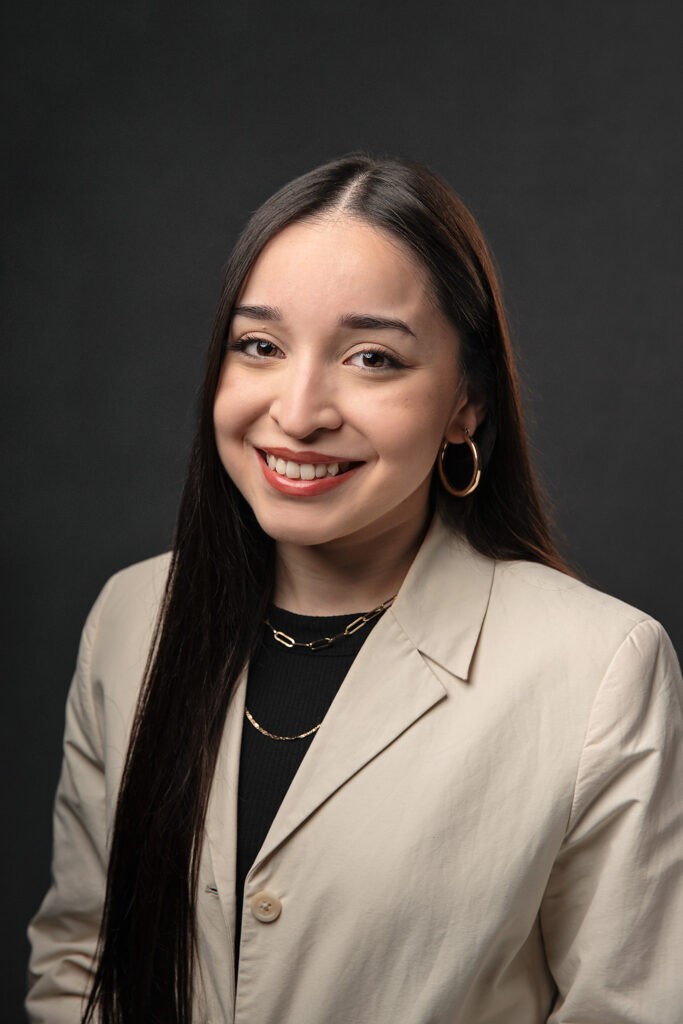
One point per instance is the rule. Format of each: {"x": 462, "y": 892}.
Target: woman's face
{"x": 339, "y": 382}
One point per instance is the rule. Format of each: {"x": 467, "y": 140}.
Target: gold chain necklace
{"x": 272, "y": 736}
{"x": 325, "y": 641}
{"x": 315, "y": 645}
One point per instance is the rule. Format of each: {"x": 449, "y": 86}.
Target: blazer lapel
{"x": 387, "y": 688}
{"x": 444, "y": 598}
{"x": 438, "y": 613}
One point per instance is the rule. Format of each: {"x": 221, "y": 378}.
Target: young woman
{"x": 361, "y": 749}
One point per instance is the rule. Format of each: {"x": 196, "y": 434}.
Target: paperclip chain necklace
{"x": 315, "y": 645}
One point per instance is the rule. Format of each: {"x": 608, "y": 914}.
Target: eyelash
{"x": 392, "y": 361}
{"x": 240, "y": 346}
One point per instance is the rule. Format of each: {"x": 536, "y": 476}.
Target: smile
{"x": 305, "y": 470}
{"x": 304, "y": 478}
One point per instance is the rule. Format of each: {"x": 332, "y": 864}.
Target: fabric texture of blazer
{"x": 487, "y": 828}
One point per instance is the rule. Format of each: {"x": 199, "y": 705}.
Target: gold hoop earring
{"x": 476, "y": 470}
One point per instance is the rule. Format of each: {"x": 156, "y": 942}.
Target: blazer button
{"x": 265, "y": 907}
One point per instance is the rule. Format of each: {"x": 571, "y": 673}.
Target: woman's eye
{"x": 256, "y": 348}
{"x": 372, "y": 359}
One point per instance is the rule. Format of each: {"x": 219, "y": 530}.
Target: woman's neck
{"x": 348, "y": 575}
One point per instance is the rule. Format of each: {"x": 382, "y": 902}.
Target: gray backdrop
{"x": 139, "y": 137}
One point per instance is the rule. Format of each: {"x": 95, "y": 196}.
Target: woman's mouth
{"x": 303, "y": 478}
{"x": 306, "y": 470}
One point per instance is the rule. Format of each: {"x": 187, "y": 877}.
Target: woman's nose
{"x": 305, "y": 402}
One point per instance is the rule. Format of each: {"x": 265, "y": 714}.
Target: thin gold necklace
{"x": 315, "y": 645}
{"x": 272, "y": 736}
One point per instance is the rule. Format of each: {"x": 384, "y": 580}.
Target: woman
{"x": 487, "y": 822}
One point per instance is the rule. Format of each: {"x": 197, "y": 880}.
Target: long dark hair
{"x": 222, "y": 569}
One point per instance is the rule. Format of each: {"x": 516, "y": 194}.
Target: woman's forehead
{"x": 339, "y": 264}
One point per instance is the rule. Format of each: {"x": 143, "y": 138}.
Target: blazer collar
{"x": 443, "y": 600}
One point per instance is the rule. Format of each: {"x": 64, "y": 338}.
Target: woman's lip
{"x": 312, "y": 458}
{"x": 304, "y": 488}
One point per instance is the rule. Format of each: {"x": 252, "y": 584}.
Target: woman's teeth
{"x": 305, "y": 470}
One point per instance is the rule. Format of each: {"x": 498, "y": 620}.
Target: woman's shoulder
{"x": 552, "y": 611}
{"x": 142, "y": 581}
{"x": 524, "y": 606}
{"x": 112, "y": 655}
{"x": 121, "y": 622}
{"x": 530, "y": 587}
{"x": 541, "y": 587}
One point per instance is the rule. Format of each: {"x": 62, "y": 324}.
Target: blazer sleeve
{"x": 612, "y": 914}
{"x": 64, "y": 932}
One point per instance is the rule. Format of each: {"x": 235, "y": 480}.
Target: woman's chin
{"x": 300, "y": 533}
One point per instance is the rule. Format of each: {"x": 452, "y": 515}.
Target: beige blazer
{"x": 487, "y": 829}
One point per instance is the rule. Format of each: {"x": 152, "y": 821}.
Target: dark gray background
{"x": 140, "y": 135}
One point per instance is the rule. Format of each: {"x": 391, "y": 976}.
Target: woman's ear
{"x": 469, "y": 413}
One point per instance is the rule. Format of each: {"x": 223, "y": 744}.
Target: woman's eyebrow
{"x": 356, "y": 321}
{"x": 369, "y": 322}
{"x": 258, "y": 312}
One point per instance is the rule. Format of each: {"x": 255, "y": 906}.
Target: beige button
{"x": 265, "y": 907}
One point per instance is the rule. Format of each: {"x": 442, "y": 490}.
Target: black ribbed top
{"x": 289, "y": 691}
